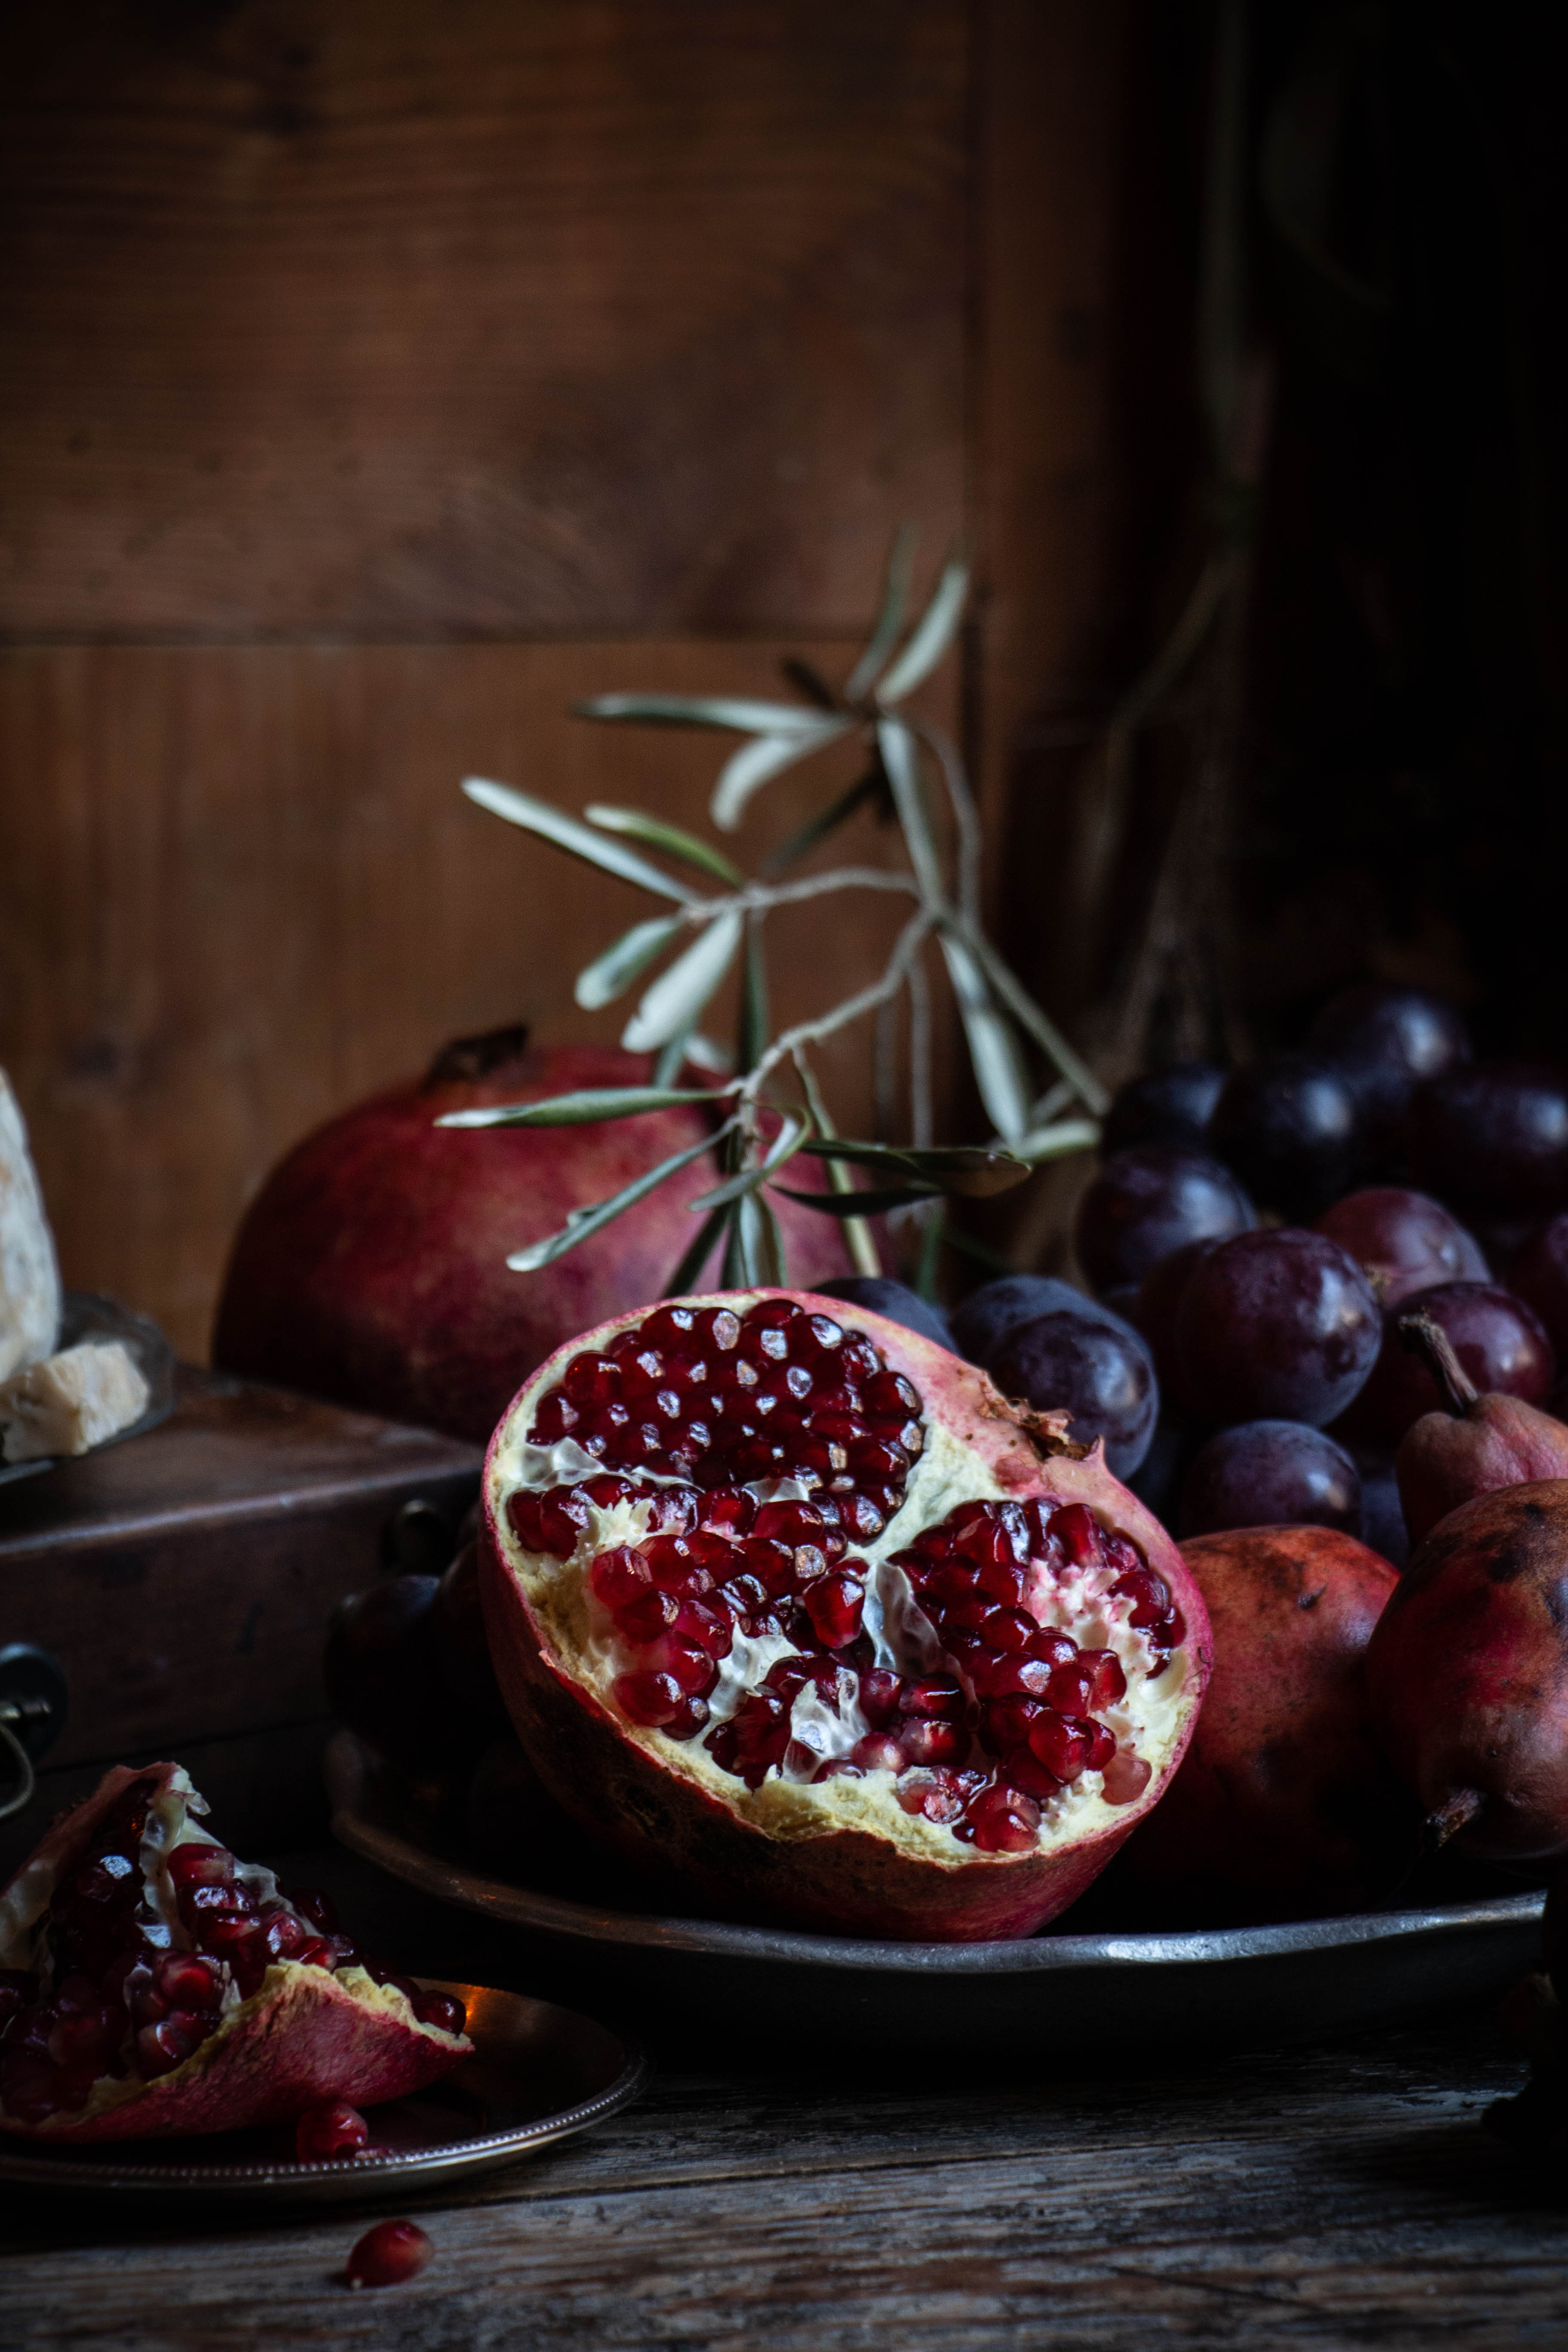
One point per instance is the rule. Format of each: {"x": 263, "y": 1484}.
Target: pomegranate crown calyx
{"x": 913, "y": 766}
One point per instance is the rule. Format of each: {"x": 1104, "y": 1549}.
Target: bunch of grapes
{"x": 1252, "y": 1238}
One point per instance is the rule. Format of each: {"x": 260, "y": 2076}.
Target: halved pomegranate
{"x": 789, "y": 1600}
{"x": 152, "y": 1984}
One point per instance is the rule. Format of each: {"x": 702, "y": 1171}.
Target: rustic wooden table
{"x": 1328, "y": 2197}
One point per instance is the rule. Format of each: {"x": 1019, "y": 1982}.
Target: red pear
{"x": 1474, "y": 1444}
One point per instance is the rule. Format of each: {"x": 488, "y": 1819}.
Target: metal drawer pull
{"x": 32, "y": 1715}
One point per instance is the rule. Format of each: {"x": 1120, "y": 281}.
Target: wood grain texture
{"x": 501, "y": 317}
{"x": 249, "y": 891}
{"x": 1332, "y": 2198}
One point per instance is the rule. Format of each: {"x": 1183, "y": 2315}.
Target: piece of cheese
{"x": 29, "y": 1274}
{"x": 71, "y": 1402}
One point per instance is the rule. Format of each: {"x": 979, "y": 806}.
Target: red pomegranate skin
{"x": 370, "y": 1268}
{"x": 842, "y": 1881}
{"x": 305, "y": 2039}
{"x": 1467, "y": 1672}
{"x": 1284, "y": 1806}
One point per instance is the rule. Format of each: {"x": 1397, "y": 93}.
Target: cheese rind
{"x": 71, "y": 1402}
{"x": 30, "y": 1273}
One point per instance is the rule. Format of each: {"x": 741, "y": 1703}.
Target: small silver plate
{"x": 539, "y": 2074}
{"x": 1064, "y": 1997}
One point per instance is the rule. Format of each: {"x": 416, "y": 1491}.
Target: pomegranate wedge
{"x": 787, "y": 1600}
{"x": 152, "y": 1984}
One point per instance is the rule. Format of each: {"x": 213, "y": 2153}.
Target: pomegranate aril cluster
{"x": 727, "y": 1399}
{"x": 113, "y": 2001}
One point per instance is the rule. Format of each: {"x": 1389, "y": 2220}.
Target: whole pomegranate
{"x": 1285, "y": 1804}
{"x": 787, "y": 1601}
{"x": 1467, "y": 1672}
{"x": 370, "y": 1268}
{"x": 153, "y": 1986}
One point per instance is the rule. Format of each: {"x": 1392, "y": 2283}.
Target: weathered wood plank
{"x": 1325, "y": 2198}
{"x": 407, "y": 320}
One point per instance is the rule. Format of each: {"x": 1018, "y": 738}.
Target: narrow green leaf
{"x": 862, "y": 1204}
{"x": 566, "y": 833}
{"x": 900, "y": 760}
{"x": 747, "y": 770}
{"x": 785, "y": 1146}
{"x": 1043, "y": 1030}
{"x": 581, "y": 1109}
{"x": 737, "y": 711}
{"x": 890, "y": 619}
{"x": 967, "y": 1169}
{"x": 998, "y": 1067}
{"x": 600, "y": 982}
{"x": 684, "y": 1278}
{"x": 681, "y": 990}
{"x": 584, "y": 1221}
{"x": 752, "y": 1029}
{"x": 1055, "y": 1142}
{"x": 930, "y": 1255}
{"x": 672, "y": 839}
{"x": 858, "y": 1238}
{"x": 770, "y": 1247}
{"x": 672, "y": 1058}
{"x": 801, "y": 844}
{"x": 931, "y": 635}
{"x": 809, "y": 680}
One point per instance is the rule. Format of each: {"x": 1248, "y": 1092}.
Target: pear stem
{"x": 1426, "y": 1336}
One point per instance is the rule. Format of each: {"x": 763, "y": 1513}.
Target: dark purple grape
{"x": 1405, "y": 1241}
{"x": 1385, "y": 1042}
{"x": 1538, "y": 1273}
{"x": 1145, "y": 1204}
{"x": 1094, "y": 1366}
{"x": 1271, "y": 1474}
{"x": 1381, "y": 1513}
{"x": 988, "y": 1314}
{"x": 1287, "y": 1125}
{"x": 1278, "y": 1326}
{"x": 900, "y": 1304}
{"x": 1498, "y": 1338}
{"x": 1172, "y": 1106}
{"x": 1491, "y": 1139}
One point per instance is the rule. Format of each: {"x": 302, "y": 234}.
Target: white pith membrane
{"x": 898, "y": 1635}
{"x": 37, "y": 1944}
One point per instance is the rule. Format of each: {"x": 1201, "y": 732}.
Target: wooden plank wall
{"x": 379, "y": 375}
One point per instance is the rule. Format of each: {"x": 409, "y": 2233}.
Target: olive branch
{"x": 1007, "y": 1033}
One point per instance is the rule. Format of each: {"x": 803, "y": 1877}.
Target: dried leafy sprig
{"x": 1001, "y": 1020}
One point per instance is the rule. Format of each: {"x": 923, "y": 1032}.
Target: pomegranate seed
{"x": 932, "y": 1696}
{"x": 606, "y": 1492}
{"x": 1006, "y": 1722}
{"x": 1060, "y": 1743}
{"x": 878, "y": 1751}
{"x": 317, "y": 1952}
{"x": 1007, "y": 1630}
{"x": 1077, "y": 1531}
{"x": 161, "y": 2048}
{"x": 996, "y": 1677}
{"x": 880, "y": 1690}
{"x": 443, "y": 2010}
{"x": 1149, "y": 1593}
{"x": 773, "y": 1564}
{"x": 651, "y": 1614}
{"x": 1026, "y": 1772}
{"x": 650, "y": 1699}
{"x": 618, "y": 1577}
{"x": 1110, "y": 1682}
{"x": 863, "y": 1522}
{"x": 286, "y": 1937}
{"x": 326, "y": 2135}
{"x": 523, "y": 1518}
{"x": 835, "y": 1605}
{"x": 388, "y": 2254}
{"x": 1051, "y": 1648}
{"x": 1002, "y": 1580}
{"x": 690, "y": 1669}
{"x": 890, "y": 1396}
{"x": 590, "y": 1381}
{"x": 563, "y": 1520}
{"x": 1172, "y": 1630}
{"x": 877, "y": 1457}
{"x": 1101, "y": 1747}
{"x": 1005, "y": 1820}
{"x": 729, "y": 1510}
{"x": 314, "y": 1904}
{"x": 85, "y": 2038}
{"x": 934, "y": 1741}
{"x": 200, "y": 1865}
{"x": 708, "y": 1623}
{"x": 950, "y": 1583}
{"x": 1126, "y": 1778}
{"x": 186, "y": 1981}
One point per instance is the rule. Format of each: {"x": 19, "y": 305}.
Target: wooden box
{"x": 184, "y": 1580}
